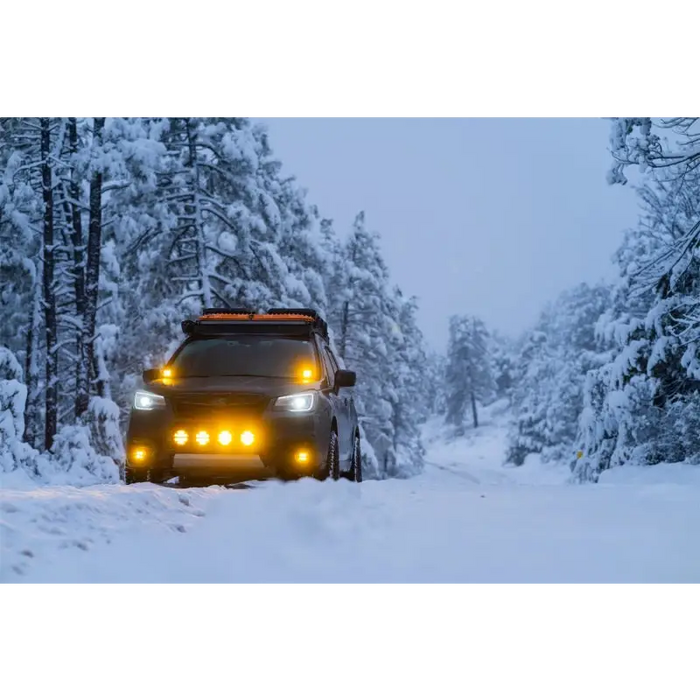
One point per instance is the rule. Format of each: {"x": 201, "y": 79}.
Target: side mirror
{"x": 150, "y": 375}
{"x": 345, "y": 378}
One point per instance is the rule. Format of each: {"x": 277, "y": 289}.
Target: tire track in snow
{"x": 456, "y": 472}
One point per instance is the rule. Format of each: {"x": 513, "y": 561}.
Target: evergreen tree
{"x": 360, "y": 316}
{"x": 533, "y": 382}
{"x": 435, "y": 391}
{"x": 639, "y": 141}
{"x": 643, "y": 404}
{"x": 555, "y": 358}
{"x": 502, "y": 352}
{"x": 469, "y": 377}
{"x": 407, "y": 373}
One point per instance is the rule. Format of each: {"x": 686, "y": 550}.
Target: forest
{"x": 610, "y": 372}
{"x": 112, "y": 230}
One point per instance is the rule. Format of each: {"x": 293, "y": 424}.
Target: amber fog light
{"x": 302, "y": 457}
{"x": 140, "y": 455}
{"x": 247, "y": 438}
{"x": 202, "y": 438}
{"x": 181, "y": 437}
{"x": 225, "y": 438}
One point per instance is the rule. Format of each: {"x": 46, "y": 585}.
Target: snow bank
{"x": 81, "y": 455}
{"x": 679, "y": 474}
{"x": 44, "y": 526}
{"x": 436, "y": 528}
{"x": 465, "y": 519}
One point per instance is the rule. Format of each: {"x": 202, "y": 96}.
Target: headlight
{"x": 297, "y": 403}
{"x": 146, "y": 401}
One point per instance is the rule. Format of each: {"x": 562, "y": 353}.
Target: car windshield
{"x": 247, "y": 356}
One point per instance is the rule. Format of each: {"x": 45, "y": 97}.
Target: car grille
{"x": 212, "y": 406}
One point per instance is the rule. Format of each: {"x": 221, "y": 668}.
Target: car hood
{"x": 268, "y": 386}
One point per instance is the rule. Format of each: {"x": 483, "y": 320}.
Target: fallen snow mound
{"x": 466, "y": 518}
{"x": 45, "y": 524}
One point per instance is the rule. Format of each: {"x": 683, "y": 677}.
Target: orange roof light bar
{"x": 223, "y": 320}
{"x": 256, "y": 317}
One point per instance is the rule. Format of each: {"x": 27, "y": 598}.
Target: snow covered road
{"x": 466, "y": 520}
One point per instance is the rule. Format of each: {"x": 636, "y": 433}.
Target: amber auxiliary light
{"x": 302, "y": 457}
{"x": 139, "y": 454}
{"x": 203, "y": 438}
{"x": 306, "y": 374}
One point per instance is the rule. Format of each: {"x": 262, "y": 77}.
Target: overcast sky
{"x": 486, "y": 216}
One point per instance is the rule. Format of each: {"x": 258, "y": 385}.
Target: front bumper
{"x": 278, "y": 437}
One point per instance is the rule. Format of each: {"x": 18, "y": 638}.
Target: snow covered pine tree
{"x": 469, "y": 378}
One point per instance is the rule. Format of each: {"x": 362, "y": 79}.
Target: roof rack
{"x": 292, "y": 312}
{"x": 227, "y": 310}
{"x": 319, "y": 324}
{"x": 225, "y": 321}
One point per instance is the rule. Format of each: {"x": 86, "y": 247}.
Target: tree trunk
{"x": 202, "y": 267}
{"x": 92, "y": 269}
{"x": 476, "y": 419}
{"x": 82, "y": 391}
{"x": 345, "y": 318}
{"x": 99, "y": 372}
{"x": 31, "y": 367}
{"x": 344, "y": 330}
{"x": 395, "y": 425}
{"x": 51, "y": 405}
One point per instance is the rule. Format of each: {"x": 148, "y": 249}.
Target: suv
{"x": 245, "y": 397}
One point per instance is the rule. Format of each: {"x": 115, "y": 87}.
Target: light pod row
{"x": 203, "y": 438}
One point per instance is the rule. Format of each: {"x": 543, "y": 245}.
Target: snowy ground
{"x": 467, "y": 519}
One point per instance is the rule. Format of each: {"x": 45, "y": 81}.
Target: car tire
{"x": 140, "y": 476}
{"x": 355, "y": 473}
{"x": 133, "y": 476}
{"x": 332, "y": 468}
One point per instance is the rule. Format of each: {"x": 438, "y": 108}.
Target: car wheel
{"x": 141, "y": 476}
{"x": 133, "y": 476}
{"x": 332, "y": 470}
{"x": 355, "y": 473}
